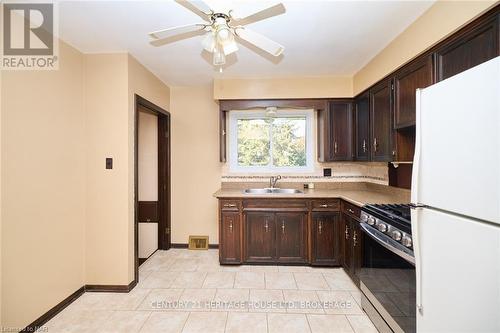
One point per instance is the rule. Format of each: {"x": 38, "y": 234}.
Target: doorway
{"x": 152, "y": 180}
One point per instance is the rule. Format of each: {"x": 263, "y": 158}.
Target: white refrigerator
{"x": 456, "y": 188}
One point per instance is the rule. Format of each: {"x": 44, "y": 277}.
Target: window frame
{"x": 235, "y": 115}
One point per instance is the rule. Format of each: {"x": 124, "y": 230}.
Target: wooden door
{"x": 380, "y": 118}
{"x": 326, "y": 238}
{"x": 470, "y": 48}
{"x": 291, "y": 237}
{"x": 230, "y": 243}
{"x": 357, "y": 250}
{"x": 346, "y": 243}
{"x": 341, "y": 131}
{"x": 362, "y": 119}
{"x": 260, "y": 237}
{"x": 407, "y": 80}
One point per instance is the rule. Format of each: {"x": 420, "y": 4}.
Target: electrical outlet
{"x": 327, "y": 172}
{"x": 109, "y": 163}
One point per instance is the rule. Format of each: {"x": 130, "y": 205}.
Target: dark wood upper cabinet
{"x": 230, "y": 243}
{"x": 326, "y": 239}
{"x": 417, "y": 74}
{"x": 362, "y": 127}
{"x": 291, "y": 237}
{"x": 380, "y": 119}
{"x": 469, "y": 47}
{"x": 260, "y": 237}
{"x": 340, "y": 130}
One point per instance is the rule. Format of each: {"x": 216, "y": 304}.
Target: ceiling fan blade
{"x": 261, "y": 41}
{"x": 170, "y": 32}
{"x": 198, "y": 7}
{"x": 275, "y": 10}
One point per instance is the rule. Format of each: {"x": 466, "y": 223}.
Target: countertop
{"x": 357, "y": 197}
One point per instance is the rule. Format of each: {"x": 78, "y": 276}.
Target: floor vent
{"x": 198, "y": 242}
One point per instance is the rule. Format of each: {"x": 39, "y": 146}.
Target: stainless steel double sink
{"x": 272, "y": 191}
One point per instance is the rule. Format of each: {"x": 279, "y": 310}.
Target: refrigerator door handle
{"x": 415, "y": 208}
{"x": 416, "y": 205}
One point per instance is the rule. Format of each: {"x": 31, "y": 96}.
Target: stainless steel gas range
{"x": 387, "y": 274}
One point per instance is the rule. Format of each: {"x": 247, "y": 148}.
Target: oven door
{"x": 387, "y": 277}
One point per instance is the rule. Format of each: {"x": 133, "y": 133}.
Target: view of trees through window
{"x": 279, "y": 142}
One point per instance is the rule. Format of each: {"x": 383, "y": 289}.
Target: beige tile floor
{"x": 188, "y": 291}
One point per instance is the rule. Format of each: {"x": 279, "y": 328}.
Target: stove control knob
{"x": 396, "y": 235}
{"x": 364, "y": 217}
{"x": 382, "y": 227}
{"x": 406, "y": 241}
{"x": 371, "y": 220}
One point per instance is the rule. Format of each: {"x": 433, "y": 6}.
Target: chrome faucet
{"x": 273, "y": 180}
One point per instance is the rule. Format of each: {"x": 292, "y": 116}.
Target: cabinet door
{"x": 326, "y": 239}
{"x": 291, "y": 237}
{"x": 380, "y": 118}
{"x": 468, "y": 49}
{"x": 260, "y": 237}
{"x": 346, "y": 243}
{"x": 417, "y": 74}
{"x": 357, "y": 251}
{"x": 341, "y": 131}
{"x": 230, "y": 245}
{"x": 362, "y": 118}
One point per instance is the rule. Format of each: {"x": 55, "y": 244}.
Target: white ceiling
{"x": 320, "y": 37}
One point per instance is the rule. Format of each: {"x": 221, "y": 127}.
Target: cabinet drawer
{"x": 275, "y": 205}
{"x": 230, "y": 205}
{"x": 326, "y": 205}
{"x": 351, "y": 210}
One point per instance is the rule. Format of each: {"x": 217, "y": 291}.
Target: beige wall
{"x": 143, "y": 83}
{"x": 107, "y": 116}
{"x": 196, "y": 170}
{"x": 438, "y": 22}
{"x": 43, "y": 188}
{"x": 112, "y": 80}
{"x": 298, "y": 87}
{"x": 67, "y": 221}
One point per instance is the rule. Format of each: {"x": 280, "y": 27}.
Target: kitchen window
{"x": 271, "y": 141}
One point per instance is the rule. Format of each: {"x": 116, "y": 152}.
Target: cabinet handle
{"x": 335, "y": 147}
{"x": 375, "y": 144}
{"x": 354, "y": 238}
{"x": 229, "y": 205}
{"x": 364, "y": 146}
{"x": 347, "y": 233}
{"x": 231, "y": 226}
{"x": 323, "y": 206}
{"x": 350, "y": 210}
{"x": 266, "y": 226}
{"x": 283, "y": 226}
{"x": 320, "y": 227}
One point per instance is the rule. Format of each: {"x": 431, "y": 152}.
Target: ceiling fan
{"x": 222, "y": 27}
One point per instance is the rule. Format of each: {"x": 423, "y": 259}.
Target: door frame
{"x": 164, "y": 176}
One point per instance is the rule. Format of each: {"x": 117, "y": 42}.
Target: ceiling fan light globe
{"x": 208, "y": 42}
{"x": 219, "y": 58}
{"x": 223, "y": 34}
{"x": 230, "y": 47}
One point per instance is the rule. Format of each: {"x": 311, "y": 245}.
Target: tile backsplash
{"x": 372, "y": 172}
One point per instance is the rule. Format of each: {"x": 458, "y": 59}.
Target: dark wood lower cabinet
{"x": 230, "y": 245}
{"x": 351, "y": 247}
{"x": 260, "y": 244}
{"x": 275, "y": 237}
{"x": 291, "y": 237}
{"x": 298, "y": 231}
{"x": 326, "y": 239}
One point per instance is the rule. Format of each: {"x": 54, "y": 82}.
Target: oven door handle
{"x": 406, "y": 256}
